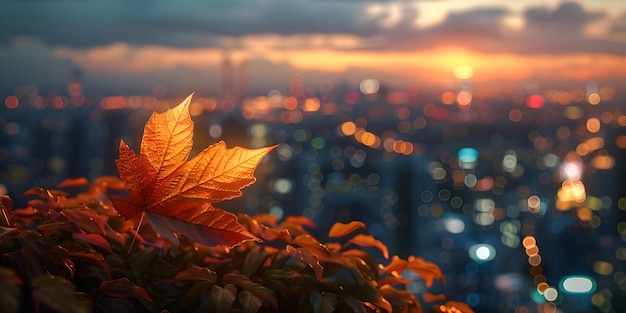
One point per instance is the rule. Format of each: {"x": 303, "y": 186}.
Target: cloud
{"x": 562, "y": 30}
{"x": 482, "y": 21}
{"x": 183, "y": 24}
{"x": 366, "y": 25}
{"x": 569, "y": 16}
{"x": 619, "y": 25}
{"x": 546, "y": 31}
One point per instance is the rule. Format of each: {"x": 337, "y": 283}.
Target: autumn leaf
{"x": 455, "y": 307}
{"x": 295, "y": 224}
{"x": 93, "y": 239}
{"x": 6, "y": 206}
{"x": 396, "y": 265}
{"x": 223, "y": 297}
{"x": 52, "y": 197}
{"x": 340, "y": 229}
{"x": 196, "y": 273}
{"x": 177, "y": 194}
{"x": 369, "y": 241}
{"x": 399, "y": 297}
{"x": 257, "y": 228}
{"x": 429, "y": 271}
{"x": 310, "y": 243}
{"x": 123, "y": 288}
{"x": 430, "y": 297}
{"x": 73, "y": 182}
{"x": 58, "y": 294}
{"x": 307, "y": 257}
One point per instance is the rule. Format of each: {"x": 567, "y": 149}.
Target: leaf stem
{"x": 143, "y": 214}
{"x": 6, "y": 218}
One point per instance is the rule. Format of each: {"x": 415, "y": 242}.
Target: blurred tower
{"x": 75, "y": 87}
{"x": 296, "y": 88}
{"x": 464, "y": 73}
{"x": 241, "y": 84}
{"x": 226, "y": 98}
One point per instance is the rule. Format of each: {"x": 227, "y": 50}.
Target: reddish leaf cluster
{"x": 351, "y": 276}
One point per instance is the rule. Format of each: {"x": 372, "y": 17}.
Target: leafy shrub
{"x": 76, "y": 254}
{"x": 93, "y": 252}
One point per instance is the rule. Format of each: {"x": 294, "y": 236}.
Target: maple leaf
{"x": 177, "y": 194}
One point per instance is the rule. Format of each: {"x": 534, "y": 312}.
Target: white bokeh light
{"x": 482, "y": 252}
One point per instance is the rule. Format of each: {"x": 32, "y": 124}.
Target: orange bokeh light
{"x": 348, "y": 128}
{"x": 290, "y": 103}
{"x": 464, "y": 98}
{"x": 447, "y": 97}
{"x": 529, "y": 242}
{"x": 11, "y": 102}
{"x": 515, "y": 115}
{"x": 593, "y": 125}
{"x": 535, "y": 101}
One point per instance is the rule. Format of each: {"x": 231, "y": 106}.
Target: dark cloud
{"x": 180, "y": 24}
{"x": 562, "y": 31}
{"x": 472, "y": 29}
{"x": 569, "y": 16}
{"x": 482, "y": 22}
{"x": 282, "y": 17}
{"x": 478, "y": 29}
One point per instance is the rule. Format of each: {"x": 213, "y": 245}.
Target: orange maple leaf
{"x": 177, "y": 194}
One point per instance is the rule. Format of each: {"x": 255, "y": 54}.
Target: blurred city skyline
{"x": 130, "y": 48}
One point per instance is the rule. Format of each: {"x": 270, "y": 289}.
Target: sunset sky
{"x": 128, "y": 47}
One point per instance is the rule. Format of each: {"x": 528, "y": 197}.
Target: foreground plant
{"x": 92, "y": 252}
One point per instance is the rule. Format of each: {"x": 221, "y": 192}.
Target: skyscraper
{"x": 227, "y": 90}
{"x": 75, "y": 87}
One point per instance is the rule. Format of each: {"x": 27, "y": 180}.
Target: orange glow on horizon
{"x": 435, "y": 66}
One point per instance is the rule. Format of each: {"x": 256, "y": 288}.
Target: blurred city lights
{"x": 283, "y": 185}
{"x": 464, "y": 98}
{"x": 276, "y": 211}
{"x": 509, "y": 162}
{"x": 369, "y": 86}
{"x": 593, "y": 125}
{"x": 550, "y": 294}
{"x": 571, "y": 170}
{"x": 482, "y": 252}
{"x": 484, "y": 211}
{"x": 577, "y": 284}
{"x": 468, "y": 158}
{"x": 11, "y": 102}
{"x": 594, "y": 99}
{"x": 454, "y": 225}
{"x": 535, "y": 101}
{"x": 508, "y": 282}
{"x": 215, "y": 130}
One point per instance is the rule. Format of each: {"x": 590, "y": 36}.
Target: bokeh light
{"x": 535, "y": 101}
{"x": 577, "y": 284}
{"x": 369, "y": 86}
{"x": 482, "y": 252}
